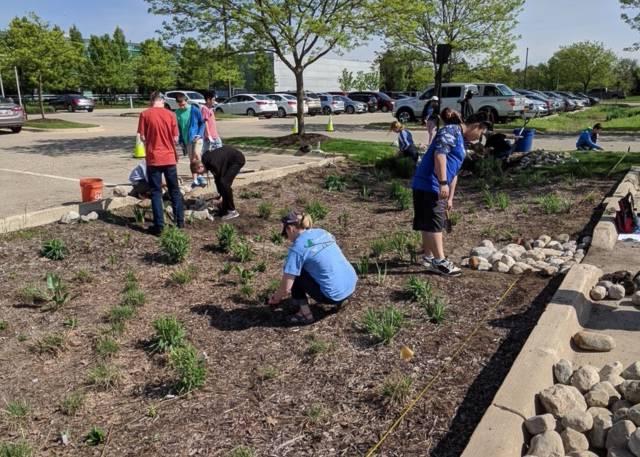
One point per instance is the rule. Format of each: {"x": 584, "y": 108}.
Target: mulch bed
{"x": 264, "y": 388}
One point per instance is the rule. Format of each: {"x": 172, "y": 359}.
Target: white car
{"x": 249, "y": 104}
{"x": 535, "y": 108}
{"x": 287, "y": 104}
{"x": 193, "y": 98}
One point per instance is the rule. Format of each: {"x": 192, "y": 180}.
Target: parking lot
{"x": 42, "y": 169}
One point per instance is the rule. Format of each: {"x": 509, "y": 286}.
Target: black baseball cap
{"x": 289, "y": 219}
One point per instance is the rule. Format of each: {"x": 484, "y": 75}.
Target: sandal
{"x": 301, "y": 319}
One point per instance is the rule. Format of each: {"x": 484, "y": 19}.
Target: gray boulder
{"x": 584, "y": 378}
{"x": 500, "y": 267}
{"x": 482, "y": 251}
{"x": 580, "y": 421}
{"x": 619, "y": 434}
{"x": 547, "y": 444}
{"x": 602, "y": 395}
{"x": 563, "y": 237}
{"x": 513, "y": 250}
{"x": 633, "y": 413}
{"x": 592, "y": 341}
{"x": 634, "y": 443}
{"x": 540, "y": 424}
{"x": 598, "y": 434}
{"x": 562, "y": 370}
{"x": 622, "y": 414}
{"x": 632, "y": 371}
{"x": 560, "y": 399}
{"x": 619, "y": 452}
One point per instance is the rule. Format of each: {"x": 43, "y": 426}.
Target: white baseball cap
{"x": 434, "y": 98}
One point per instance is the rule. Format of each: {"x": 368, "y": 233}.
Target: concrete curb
{"x": 50, "y": 215}
{"x": 69, "y": 130}
{"x": 500, "y": 433}
{"x": 605, "y": 233}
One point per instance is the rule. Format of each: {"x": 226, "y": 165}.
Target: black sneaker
{"x": 154, "y": 230}
{"x": 444, "y": 267}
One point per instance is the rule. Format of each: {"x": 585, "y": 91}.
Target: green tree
{"x": 367, "y": 81}
{"x": 43, "y": 54}
{"x": 195, "y": 65}
{"x": 79, "y": 69}
{"x": 155, "y": 66}
{"x": 346, "y": 80}
{"x": 626, "y": 75}
{"x": 299, "y": 33}
{"x": 110, "y": 64}
{"x": 262, "y": 69}
{"x": 631, "y": 15}
{"x": 582, "y": 64}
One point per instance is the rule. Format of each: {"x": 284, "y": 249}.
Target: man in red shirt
{"x": 159, "y": 131}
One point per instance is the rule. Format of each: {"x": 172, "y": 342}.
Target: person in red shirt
{"x": 159, "y": 131}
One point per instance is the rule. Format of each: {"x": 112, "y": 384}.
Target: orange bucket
{"x": 91, "y": 189}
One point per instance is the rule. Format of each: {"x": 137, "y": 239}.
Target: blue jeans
{"x": 209, "y": 145}
{"x": 170, "y": 173}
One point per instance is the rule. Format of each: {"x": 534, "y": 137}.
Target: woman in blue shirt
{"x": 434, "y": 185}
{"x": 315, "y": 267}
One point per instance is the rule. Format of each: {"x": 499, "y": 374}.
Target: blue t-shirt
{"x": 405, "y": 139}
{"x": 450, "y": 142}
{"x": 316, "y": 251}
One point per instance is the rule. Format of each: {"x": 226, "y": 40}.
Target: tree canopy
{"x": 582, "y": 65}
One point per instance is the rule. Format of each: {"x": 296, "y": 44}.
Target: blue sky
{"x": 544, "y": 24}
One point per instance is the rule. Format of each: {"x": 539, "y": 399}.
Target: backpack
{"x": 625, "y": 217}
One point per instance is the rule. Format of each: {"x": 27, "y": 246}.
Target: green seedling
{"x": 170, "y": 334}
{"x": 175, "y": 244}
{"x": 382, "y": 325}
{"x": 54, "y": 249}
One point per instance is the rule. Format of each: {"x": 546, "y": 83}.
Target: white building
{"x": 321, "y": 76}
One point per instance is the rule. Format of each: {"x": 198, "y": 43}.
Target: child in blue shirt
{"x": 315, "y": 267}
{"x": 588, "y": 138}
{"x": 405, "y": 141}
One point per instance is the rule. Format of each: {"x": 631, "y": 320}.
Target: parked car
{"x": 592, "y": 100}
{"x": 556, "y": 102}
{"x": 352, "y": 106}
{"x": 549, "y": 104}
{"x": 567, "y": 105}
{"x": 311, "y": 99}
{"x": 331, "y": 104}
{"x": 604, "y": 93}
{"x": 535, "y": 108}
{"x": 410, "y": 109}
{"x": 249, "y": 104}
{"x": 368, "y": 99}
{"x": 580, "y": 102}
{"x": 72, "y": 103}
{"x": 502, "y": 103}
{"x": 11, "y": 115}
{"x": 384, "y": 102}
{"x": 287, "y": 104}
{"x": 193, "y": 98}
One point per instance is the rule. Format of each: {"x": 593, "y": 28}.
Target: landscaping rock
{"x": 496, "y": 257}
{"x": 482, "y": 251}
{"x": 606, "y": 284}
{"x": 592, "y": 341}
{"x": 92, "y": 216}
{"x": 598, "y": 434}
{"x": 554, "y": 245}
{"x": 547, "y": 444}
{"x": 465, "y": 262}
{"x": 586, "y": 240}
{"x": 616, "y": 292}
{"x": 516, "y": 270}
{"x": 552, "y": 252}
{"x": 500, "y": 267}
{"x": 508, "y": 261}
{"x": 580, "y": 421}
{"x": 69, "y": 218}
{"x": 563, "y": 237}
{"x": 635, "y": 298}
{"x": 620, "y": 404}
{"x": 479, "y": 263}
{"x": 584, "y": 378}
{"x": 548, "y": 271}
{"x": 562, "y": 370}
{"x": 634, "y": 414}
{"x": 598, "y": 411}
{"x": 120, "y": 191}
{"x": 619, "y": 434}
{"x": 559, "y": 399}
{"x": 544, "y": 240}
{"x": 535, "y": 254}
{"x": 540, "y": 423}
{"x": 619, "y": 452}
{"x": 602, "y": 395}
{"x": 582, "y": 454}
{"x": 613, "y": 368}
{"x": 202, "y": 215}
{"x": 573, "y": 440}
{"x": 634, "y": 443}
{"x": 487, "y": 244}
{"x": 513, "y": 250}
{"x": 598, "y": 293}
{"x": 621, "y": 415}
{"x": 632, "y": 371}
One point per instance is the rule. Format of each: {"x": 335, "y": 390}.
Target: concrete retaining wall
{"x": 500, "y": 433}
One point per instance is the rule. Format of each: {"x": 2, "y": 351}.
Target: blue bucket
{"x": 525, "y": 142}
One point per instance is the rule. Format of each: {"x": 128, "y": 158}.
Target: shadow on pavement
{"x": 66, "y": 146}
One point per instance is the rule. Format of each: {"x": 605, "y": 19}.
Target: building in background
{"x": 321, "y": 76}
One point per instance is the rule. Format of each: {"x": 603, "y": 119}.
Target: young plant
{"x": 379, "y": 247}
{"x": 52, "y": 344}
{"x": 316, "y": 413}
{"x": 3, "y": 325}
{"x": 335, "y": 182}
{"x": 83, "y": 276}
{"x": 260, "y": 267}
{"x": 553, "y": 204}
{"x": 365, "y": 192}
{"x": 57, "y": 290}
{"x": 17, "y": 411}
{"x": 264, "y": 210}
{"x": 121, "y": 313}
{"x": 104, "y": 376}
{"x": 274, "y": 284}
{"x": 316, "y": 210}
{"x": 248, "y": 194}
{"x": 241, "y": 251}
{"x": 401, "y": 195}
{"x": 318, "y": 346}
{"x": 227, "y": 236}
{"x": 226, "y": 268}
{"x": 95, "y": 437}
{"x": 362, "y": 266}
{"x": 175, "y": 244}
{"x": 420, "y": 290}
{"x": 267, "y": 373}
{"x": 276, "y": 238}
{"x": 54, "y": 249}
{"x": 245, "y": 274}
{"x": 139, "y": 214}
{"x": 190, "y": 367}
{"x": 502, "y": 201}
{"x": 396, "y": 389}
{"x": 381, "y": 273}
{"x": 343, "y": 220}
{"x": 247, "y": 291}
{"x": 382, "y": 325}
{"x": 436, "y": 310}
{"x": 242, "y": 451}
{"x": 399, "y": 242}
{"x": 106, "y": 347}
{"x": 184, "y": 275}
{"x": 170, "y": 334}
{"x": 72, "y": 403}
{"x": 32, "y": 295}
{"x": 21, "y": 449}
{"x": 454, "y": 218}
{"x": 133, "y": 297}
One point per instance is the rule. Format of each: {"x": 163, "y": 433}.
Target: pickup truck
{"x": 498, "y": 100}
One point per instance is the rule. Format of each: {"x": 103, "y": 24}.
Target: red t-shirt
{"x": 158, "y": 129}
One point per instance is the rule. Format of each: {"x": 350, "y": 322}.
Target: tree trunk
{"x": 40, "y": 95}
{"x": 300, "y": 98}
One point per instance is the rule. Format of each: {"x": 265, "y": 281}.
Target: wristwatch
{"x": 444, "y": 183}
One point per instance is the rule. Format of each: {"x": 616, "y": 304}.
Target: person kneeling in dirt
{"x": 315, "y": 267}
{"x": 405, "y": 141}
{"x": 434, "y": 185}
{"x": 139, "y": 181}
{"x": 588, "y": 138}
{"x": 224, "y": 163}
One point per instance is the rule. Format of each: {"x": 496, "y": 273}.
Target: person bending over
{"x": 315, "y": 267}
{"x": 434, "y": 186}
{"x": 224, "y": 163}
{"x": 588, "y": 139}
{"x": 405, "y": 141}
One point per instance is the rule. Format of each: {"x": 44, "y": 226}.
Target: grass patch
{"x": 242, "y": 451}
{"x": 15, "y": 450}
{"x": 335, "y": 183}
{"x": 184, "y": 275}
{"x": 54, "y": 249}
{"x": 57, "y": 124}
{"x": 32, "y": 295}
{"x": 316, "y": 210}
{"x": 106, "y": 346}
{"x": 133, "y": 297}
{"x": 104, "y": 376}
{"x": 17, "y": 411}
{"x": 382, "y": 325}
{"x": 554, "y": 204}
{"x": 318, "y": 346}
{"x": 170, "y": 334}
{"x": 95, "y": 436}
{"x": 264, "y": 210}
{"x": 72, "y": 403}
{"x": 52, "y": 344}
{"x": 396, "y": 389}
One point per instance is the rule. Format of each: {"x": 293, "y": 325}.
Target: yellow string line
{"x": 410, "y": 406}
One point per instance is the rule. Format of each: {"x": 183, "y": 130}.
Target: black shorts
{"x": 428, "y": 212}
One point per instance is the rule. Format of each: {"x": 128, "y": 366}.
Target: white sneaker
{"x": 444, "y": 267}
{"x": 230, "y": 215}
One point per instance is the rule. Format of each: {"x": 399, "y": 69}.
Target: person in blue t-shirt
{"x": 315, "y": 267}
{"x": 588, "y": 139}
{"x": 434, "y": 186}
{"x": 405, "y": 141}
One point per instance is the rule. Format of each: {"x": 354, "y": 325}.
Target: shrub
{"x": 51, "y": 344}
{"x": 104, "y": 376}
{"x": 316, "y": 210}
{"x": 335, "y": 182}
{"x": 32, "y": 295}
{"x": 17, "y": 411}
{"x": 21, "y": 449}
{"x": 57, "y": 290}
{"x": 175, "y": 244}
{"x": 106, "y": 346}
{"x": 72, "y": 403}
{"x": 133, "y": 297}
{"x": 264, "y": 210}
{"x": 553, "y": 204}
{"x": 184, "y": 275}
{"x": 397, "y": 389}
{"x": 54, "y": 249}
{"x": 379, "y": 247}
{"x": 246, "y": 274}
{"x": 241, "y": 251}
{"x": 95, "y": 436}
{"x": 121, "y": 313}
{"x": 170, "y": 334}
{"x": 383, "y": 324}
{"x": 227, "y": 236}
{"x": 362, "y": 267}
{"x": 190, "y": 367}
{"x": 420, "y": 290}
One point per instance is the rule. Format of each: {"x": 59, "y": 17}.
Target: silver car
{"x": 331, "y": 104}
{"x": 352, "y": 106}
{"x": 193, "y": 98}
{"x": 11, "y": 115}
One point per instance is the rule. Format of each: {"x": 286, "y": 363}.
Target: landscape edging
{"x": 500, "y": 432}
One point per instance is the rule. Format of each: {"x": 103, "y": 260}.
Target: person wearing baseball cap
{"x": 315, "y": 267}
{"x": 430, "y": 116}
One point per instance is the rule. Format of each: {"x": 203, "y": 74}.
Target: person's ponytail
{"x": 450, "y": 116}
{"x": 305, "y": 221}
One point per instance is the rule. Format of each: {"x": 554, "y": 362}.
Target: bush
{"x": 54, "y": 249}
{"x": 170, "y": 334}
{"x": 401, "y": 195}
{"x": 264, "y": 210}
{"x": 241, "y": 251}
{"x": 184, "y": 275}
{"x": 227, "y": 236}
{"x": 420, "y": 290}
{"x": 397, "y": 389}
{"x": 72, "y": 403}
{"x": 15, "y": 450}
{"x": 553, "y": 204}
{"x": 335, "y": 182}
{"x": 175, "y": 244}
{"x": 316, "y": 210}
{"x": 95, "y": 436}
{"x": 383, "y": 324}
{"x": 190, "y": 367}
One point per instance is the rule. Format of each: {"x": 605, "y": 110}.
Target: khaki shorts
{"x": 194, "y": 150}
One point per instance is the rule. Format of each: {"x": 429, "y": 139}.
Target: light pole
{"x": 1, "y": 85}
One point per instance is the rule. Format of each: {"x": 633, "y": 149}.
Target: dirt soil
{"x": 295, "y": 140}
{"x": 265, "y": 387}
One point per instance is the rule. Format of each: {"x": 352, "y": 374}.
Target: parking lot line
{"x": 43, "y": 175}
